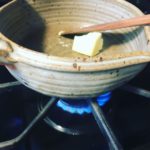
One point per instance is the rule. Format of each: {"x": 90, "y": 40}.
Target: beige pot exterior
{"x": 73, "y": 77}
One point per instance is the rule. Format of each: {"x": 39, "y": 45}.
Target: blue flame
{"x": 83, "y": 109}
{"x": 104, "y": 98}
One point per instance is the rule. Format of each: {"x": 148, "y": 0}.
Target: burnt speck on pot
{"x": 101, "y": 59}
{"x": 75, "y": 65}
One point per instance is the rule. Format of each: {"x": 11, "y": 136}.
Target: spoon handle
{"x": 136, "y": 21}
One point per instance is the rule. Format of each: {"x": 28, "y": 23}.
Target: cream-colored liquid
{"x": 48, "y": 41}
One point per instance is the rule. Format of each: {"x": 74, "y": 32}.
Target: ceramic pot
{"x": 35, "y": 55}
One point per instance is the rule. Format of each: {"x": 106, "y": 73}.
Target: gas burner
{"x": 82, "y": 107}
{"x": 72, "y": 116}
{"x": 75, "y": 124}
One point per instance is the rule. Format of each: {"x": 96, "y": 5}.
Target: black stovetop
{"x": 127, "y": 113}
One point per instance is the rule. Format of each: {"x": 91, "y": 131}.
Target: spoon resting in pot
{"x": 136, "y": 21}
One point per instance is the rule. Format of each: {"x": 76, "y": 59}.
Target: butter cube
{"x": 89, "y": 44}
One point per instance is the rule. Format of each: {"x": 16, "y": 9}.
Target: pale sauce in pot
{"x": 49, "y": 42}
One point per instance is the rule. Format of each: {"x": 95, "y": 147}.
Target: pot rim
{"x": 41, "y": 60}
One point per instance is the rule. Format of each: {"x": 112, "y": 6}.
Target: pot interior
{"x": 35, "y": 25}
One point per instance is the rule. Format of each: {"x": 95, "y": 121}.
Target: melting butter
{"x": 89, "y": 44}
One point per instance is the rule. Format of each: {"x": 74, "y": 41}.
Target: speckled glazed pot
{"x": 35, "y": 55}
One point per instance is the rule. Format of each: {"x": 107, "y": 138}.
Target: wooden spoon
{"x": 136, "y": 21}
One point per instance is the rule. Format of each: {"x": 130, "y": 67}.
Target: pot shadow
{"x": 120, "y": 38}
{"x": 23, "y": 21}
